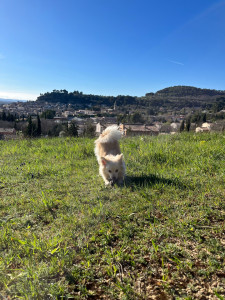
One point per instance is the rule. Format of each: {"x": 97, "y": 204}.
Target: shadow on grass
{"x": 151, "y": 180}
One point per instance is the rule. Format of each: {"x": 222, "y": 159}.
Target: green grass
{"x": 64, "y": 235}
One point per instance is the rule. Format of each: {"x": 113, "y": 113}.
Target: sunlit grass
{"x": 64, "y": 235}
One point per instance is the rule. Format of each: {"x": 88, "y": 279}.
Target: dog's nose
{"x": 114, "y": 179}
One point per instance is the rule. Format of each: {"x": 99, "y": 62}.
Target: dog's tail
{"x": 110, "y": 134}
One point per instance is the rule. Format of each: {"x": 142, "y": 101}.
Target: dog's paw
{"x": 107, "y": 183}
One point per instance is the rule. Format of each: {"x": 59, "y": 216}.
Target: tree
{"x": 38, "y": 131}
{"x": 150, "y": 111}
{"x": 3, "y": 116}
{"x": 54, "y": 130}
{"x": 10, "y": 117}
{"x": 31, "y": 128}
{"x": 137, "y": 118}
{"x": 89, "y": 130}
{"x": 122, "y": 118}
{"x": 48, "y": 114}
{"x": 188, "y": 124}
{"x": 72, "y": 129}
{"x": 204, "y": 118}
{"x": 219, "y": 105}
{"x": 182, "y": 126}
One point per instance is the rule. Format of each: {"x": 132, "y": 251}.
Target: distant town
{"x": 48, "y": 119}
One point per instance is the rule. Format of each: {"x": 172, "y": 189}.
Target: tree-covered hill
{"x": 81, "y": 99}
{"x": 178, "y": 97}
{"x": 171, "y": 98}
{"x": 182, "y": 91}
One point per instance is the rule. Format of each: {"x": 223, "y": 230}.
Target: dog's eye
{"x": 110, "y": 171}
{"x": 116, "y": 171}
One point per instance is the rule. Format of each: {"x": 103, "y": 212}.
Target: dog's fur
{"x": 109, "y": 156}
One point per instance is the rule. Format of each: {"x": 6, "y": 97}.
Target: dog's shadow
{"x": 151, "y": 180}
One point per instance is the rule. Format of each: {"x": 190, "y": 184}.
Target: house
{"x": 218, "y": 126}
{"x": 7, "y": 133}
{"x": 175, "y": 126}
{"x": 66, "y": 114}
{"x": 130, "y": 129}
{"x": 85, "y": 112}
{"x": 198, "y": 129}
{"x": 139, "y": 129}
{"x": 206, "y": 127}
{"x": 166, "y": 129}
{"x": 59, "y": 119}
{"x": 100, "y": 127}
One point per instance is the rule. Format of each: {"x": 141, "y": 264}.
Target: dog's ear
{"x": 121, "y": 156}
{"x": 103, "y": 160}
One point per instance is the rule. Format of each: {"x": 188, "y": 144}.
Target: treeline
{"x": 136, "y": 118}
{"x": 218, "y": 105}
{"x": 197, "y": 118}
{"x": 76, "y": 97}
{"x": 36, "y": 127}
{"x": 7, "y": 117}
{"x": 33, "y": 129}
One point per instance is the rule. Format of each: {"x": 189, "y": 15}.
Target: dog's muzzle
{"x": 113, "y": 181}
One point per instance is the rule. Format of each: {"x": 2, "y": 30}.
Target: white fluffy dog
{"x": 109, "y": 156}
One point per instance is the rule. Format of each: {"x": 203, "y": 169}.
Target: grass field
{"x": 64, "y": 235}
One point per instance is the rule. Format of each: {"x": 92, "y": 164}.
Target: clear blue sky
{"x": 110, "y": 47}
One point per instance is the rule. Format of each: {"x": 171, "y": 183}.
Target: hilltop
{"x": 187, "y": 91}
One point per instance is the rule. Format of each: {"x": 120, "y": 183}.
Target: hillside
{"x": 160, "y": 236}
{"x": 171, "y": 98}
